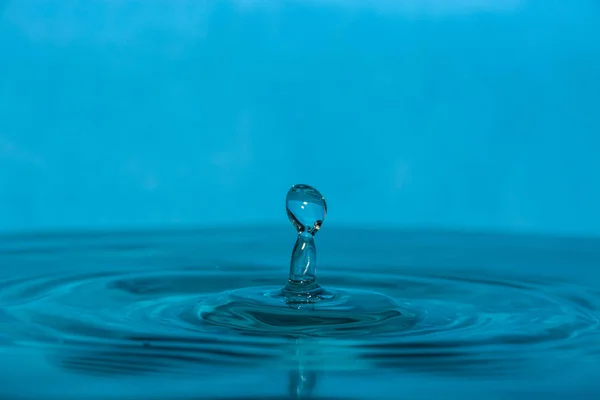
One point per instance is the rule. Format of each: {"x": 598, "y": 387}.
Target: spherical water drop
{"x": 306, "y": 208}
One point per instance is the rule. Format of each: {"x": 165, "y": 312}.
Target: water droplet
{"x": 306, "y": 208}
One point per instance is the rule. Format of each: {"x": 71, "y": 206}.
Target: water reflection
{"x": 123, "y": 307}
{"x": 144, "y": 357}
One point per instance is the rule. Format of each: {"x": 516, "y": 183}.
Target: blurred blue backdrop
{"x": 468, "y": 114}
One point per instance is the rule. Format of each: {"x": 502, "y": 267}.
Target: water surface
{"x": 115, "y": 314}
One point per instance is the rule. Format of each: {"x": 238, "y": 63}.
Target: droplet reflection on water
{"x": 104, "y": 306}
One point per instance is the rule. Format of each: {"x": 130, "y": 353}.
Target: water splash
{"x": 306, "y": 208}
{"x": 154, "y": 307}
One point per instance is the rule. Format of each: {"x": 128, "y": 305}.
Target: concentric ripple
{"x": 111, "y": 322}
{"x": 152, "y": 310}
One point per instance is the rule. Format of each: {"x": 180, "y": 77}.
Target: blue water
{"x": 429, "y": 125}
{"x": 113, "y": 315}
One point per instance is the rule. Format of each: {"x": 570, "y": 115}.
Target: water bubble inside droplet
{"x": 306, "y": 208}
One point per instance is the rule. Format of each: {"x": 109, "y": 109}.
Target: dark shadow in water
{"x": 143, "y": 358}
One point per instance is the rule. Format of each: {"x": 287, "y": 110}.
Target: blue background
{"x": 462, "y": 114}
